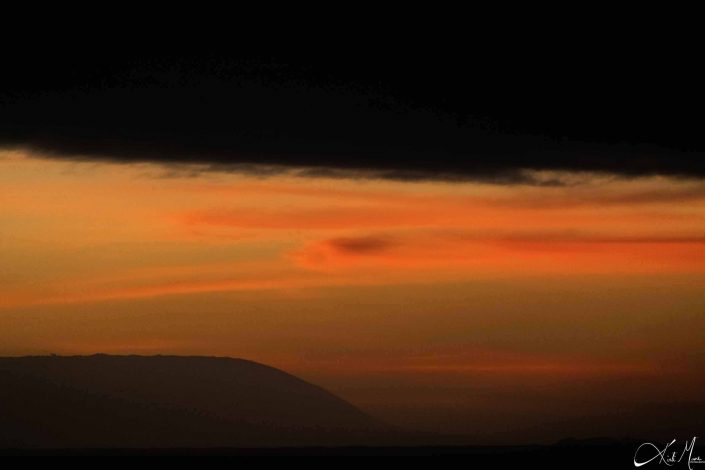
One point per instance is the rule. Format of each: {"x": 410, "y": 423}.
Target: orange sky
{"x": 393, "y": 294}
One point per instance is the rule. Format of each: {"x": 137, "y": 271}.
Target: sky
{"x": 500, "y": 247}
{"x": 434, "y": 305}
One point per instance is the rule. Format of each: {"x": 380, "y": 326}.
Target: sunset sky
{"x": 449, "y": 251}
{"x": 410, "y": 299}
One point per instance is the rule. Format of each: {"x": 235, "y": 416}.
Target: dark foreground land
{"x": 199, "y": 406}
{"x": 569, "y": 455}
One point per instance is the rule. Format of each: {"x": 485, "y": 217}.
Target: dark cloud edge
{"x": 266, "y": 166}
{"x": 409, "y": 120}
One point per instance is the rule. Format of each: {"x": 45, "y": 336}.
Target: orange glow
{"x": 372, "y": 288}
{"x": 148, "y": 235}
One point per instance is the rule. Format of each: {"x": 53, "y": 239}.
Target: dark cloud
{"x": 362, "y": 245}
{"x": 418, "y": 118}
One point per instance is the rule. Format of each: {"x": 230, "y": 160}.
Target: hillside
{"x": 169, "y": 401}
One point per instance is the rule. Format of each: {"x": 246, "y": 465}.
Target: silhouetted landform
{"x": 649, "y": 421}
{"x": 166, "y": 402}
{"x": 567, "y": 454}
{"x": 167, "y": 405}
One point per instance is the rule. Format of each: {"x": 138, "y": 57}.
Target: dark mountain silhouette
{"x": 168, "y": 401}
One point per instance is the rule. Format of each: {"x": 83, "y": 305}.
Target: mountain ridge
{"x": 165, "y": 400}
